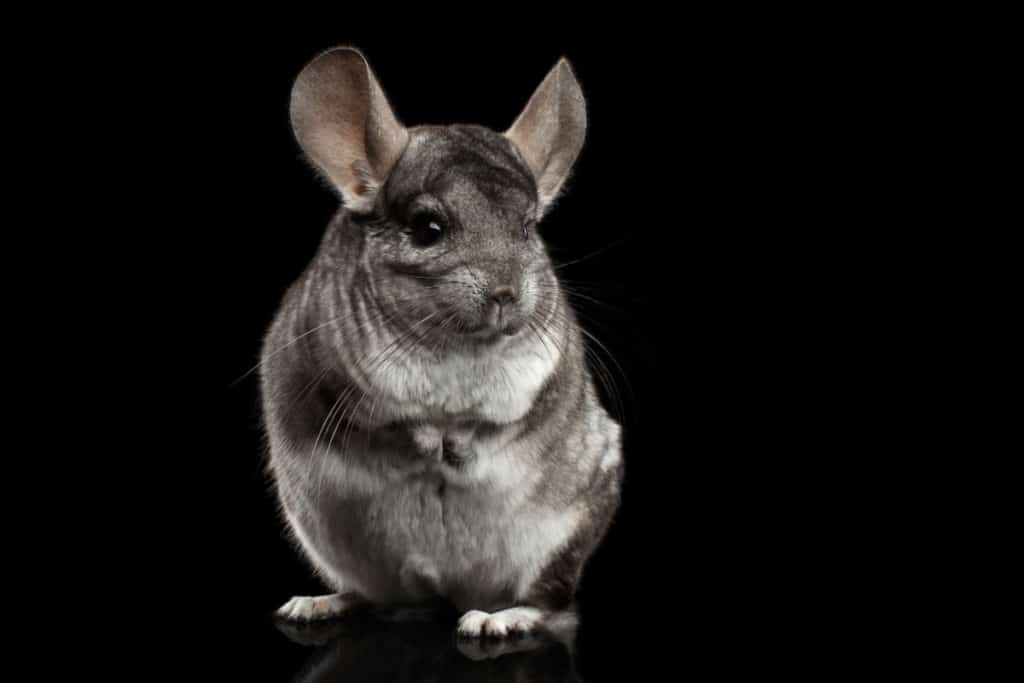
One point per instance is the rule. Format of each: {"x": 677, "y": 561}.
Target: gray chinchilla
{"x": 435, "y": 433}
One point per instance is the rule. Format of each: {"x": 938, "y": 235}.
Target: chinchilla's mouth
{"x": 494, "y": 333}
{"x": 484, "y": 333}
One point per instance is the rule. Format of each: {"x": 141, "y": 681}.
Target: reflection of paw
{"x": 483, "y": 636}
{"x": 316, "y": 608}
{"x": 313, "y": 633}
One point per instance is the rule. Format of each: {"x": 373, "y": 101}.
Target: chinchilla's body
{"x": 434, "y": 430}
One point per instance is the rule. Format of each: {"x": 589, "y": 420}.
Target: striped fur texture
{"x": 434, "y": 431}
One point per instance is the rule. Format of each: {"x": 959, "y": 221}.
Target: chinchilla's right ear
{"x": 549, "y": 132}
{"x": 345, "y": 125}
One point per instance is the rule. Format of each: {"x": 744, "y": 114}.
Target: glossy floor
{"x": 423, "y": 652}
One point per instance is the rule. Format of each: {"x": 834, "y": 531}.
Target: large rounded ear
{"x": 550, "y": 131}
{"x": 345, "y": 125}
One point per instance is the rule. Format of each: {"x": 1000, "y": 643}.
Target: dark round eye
{"x": 426, "y": 229}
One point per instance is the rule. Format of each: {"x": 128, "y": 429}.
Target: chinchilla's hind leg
{"x": 318, "y": 620}
{"x": 518, "y": 629}
{"x": 320, "y": 607}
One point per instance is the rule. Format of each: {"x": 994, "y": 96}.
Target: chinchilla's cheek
{"x": 537, "y": 286}
{"x": 402, "y": 302}
{"x": 529, "y": 302}
{"x": 465, "y": 306}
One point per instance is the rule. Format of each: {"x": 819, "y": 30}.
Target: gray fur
{"x": 425, "y": 442}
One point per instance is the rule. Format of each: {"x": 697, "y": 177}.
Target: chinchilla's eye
{"x": 426, "y": 229}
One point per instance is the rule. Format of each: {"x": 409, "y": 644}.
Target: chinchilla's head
{"x": 446, "y": 216}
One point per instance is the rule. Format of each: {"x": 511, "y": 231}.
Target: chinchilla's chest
{"x": 498, "y": 388}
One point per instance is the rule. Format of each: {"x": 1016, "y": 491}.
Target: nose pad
{"x": 503, "y": 295}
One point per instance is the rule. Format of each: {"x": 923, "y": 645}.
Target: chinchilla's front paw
{"x": 428, "y": 441}
{"x": 452, "y": 446}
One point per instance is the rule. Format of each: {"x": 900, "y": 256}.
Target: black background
{"x": 689, "y": 219}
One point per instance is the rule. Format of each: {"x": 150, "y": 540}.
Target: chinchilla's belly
{"x": 435, "y": 531}
{"x": 421, "y": 540}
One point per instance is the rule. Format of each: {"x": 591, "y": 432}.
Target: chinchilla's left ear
{"x": 549, "y": 132}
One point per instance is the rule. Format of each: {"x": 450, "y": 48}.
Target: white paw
{"x": 516, "y": 621}
{"x": 485, "y": 636}
{"x": 471, "y": 625}
{"x": 315, "y": 608}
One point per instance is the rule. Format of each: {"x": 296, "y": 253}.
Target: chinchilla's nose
{"x": 503, "y": 295}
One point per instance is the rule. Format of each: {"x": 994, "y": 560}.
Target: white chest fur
{"x": 495, "y": 384}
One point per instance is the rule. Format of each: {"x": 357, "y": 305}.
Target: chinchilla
{"x": 434, "y": 431}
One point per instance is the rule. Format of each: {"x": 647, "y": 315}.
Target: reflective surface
{"x": 371, "y": 652}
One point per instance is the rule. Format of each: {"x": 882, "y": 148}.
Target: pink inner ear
{"x": 344, "y": 123}
{"x": 549, "y": 132}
